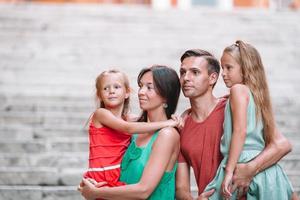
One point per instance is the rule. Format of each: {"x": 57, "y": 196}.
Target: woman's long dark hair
{"x": 166, "y": 84}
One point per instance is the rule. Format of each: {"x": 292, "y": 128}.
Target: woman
{"x": 150, "y": 162}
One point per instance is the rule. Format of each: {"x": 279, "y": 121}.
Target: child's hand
{"x": 92, "y": 181}
{"x": 173, "y": 122}
{"x": 226, "y": 185}
{"x": 179, "y": 121}
{"x": 97, "y": 184}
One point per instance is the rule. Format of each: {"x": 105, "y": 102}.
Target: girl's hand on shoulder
{"x": 171, "y": 123}
{"x": 179, "y": 121}
{"x": 226, "y": 185}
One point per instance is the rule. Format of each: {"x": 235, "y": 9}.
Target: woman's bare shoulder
{"x": 169, "y": 133}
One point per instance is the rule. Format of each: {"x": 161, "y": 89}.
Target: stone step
{"x": 76, "y": 144}
{"x": 51, "y": 159}
{"x": 61, "y": 106}
{"x": 40, "y": 175}
{"x": 290, "y": 162}
{"x": 42, "y": 102}
{"x": 39, "y": 192}
{"x": 294, "y": 176}
{"x": 45, "y": 118}
{"x": 26, "y": 132}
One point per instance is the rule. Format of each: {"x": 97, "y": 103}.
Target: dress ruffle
{"x": 133, "y": 152}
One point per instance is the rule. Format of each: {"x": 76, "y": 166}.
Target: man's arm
{"x": 273, "y": 152}
{"x": 183, "y": 191}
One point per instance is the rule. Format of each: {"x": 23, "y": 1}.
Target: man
{"x": 201, "y": 135}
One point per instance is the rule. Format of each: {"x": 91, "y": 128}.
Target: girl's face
{"x": 232, "y": 72}
{"x": 113, "y": 91}
{"x": 149, "y": 99}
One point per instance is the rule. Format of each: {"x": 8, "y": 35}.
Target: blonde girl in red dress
{"x": 110, "y": 129}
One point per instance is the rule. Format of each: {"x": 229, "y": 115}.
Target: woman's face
{"x": 149, "y": 99}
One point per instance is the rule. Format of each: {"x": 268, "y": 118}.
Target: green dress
{"x": 271, "y": 183}
{"x": 133, "y": 164}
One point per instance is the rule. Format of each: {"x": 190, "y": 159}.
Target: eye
{"x": 182, "y": 72}
{"x": 229, "y": 67}
{"x": 105, "y": 88}
{"x": 117, "y": 86}
{"x": 195, "y": 72}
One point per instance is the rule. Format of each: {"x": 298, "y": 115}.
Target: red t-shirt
{"x": 200, "y": 145}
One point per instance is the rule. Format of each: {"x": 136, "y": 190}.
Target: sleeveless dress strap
{"x": 152, "y": 140}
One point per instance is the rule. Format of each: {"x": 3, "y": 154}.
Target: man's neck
{"x": 202, "y": 106}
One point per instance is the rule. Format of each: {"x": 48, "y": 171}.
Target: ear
{"x": 213, "y": 77}
{"x": 127, "y": 94}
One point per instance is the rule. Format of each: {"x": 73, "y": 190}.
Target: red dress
{"x": 107, "y": 147}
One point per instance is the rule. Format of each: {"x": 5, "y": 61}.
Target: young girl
{"x": 248, "y": 126}
{"x": 108, "y": 131}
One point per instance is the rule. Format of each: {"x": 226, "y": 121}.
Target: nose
{"x": 186, "y": 76}
{"x": 142, "y": 90}
{"x": 223, "y": 73}
{"x": 111, "y": 90}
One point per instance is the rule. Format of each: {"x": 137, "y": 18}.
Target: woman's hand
{"x": 88, "y": 187}
{"x": 226, "y": 185}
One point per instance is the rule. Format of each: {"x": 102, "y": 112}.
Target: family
{"x": 231, "y": 142}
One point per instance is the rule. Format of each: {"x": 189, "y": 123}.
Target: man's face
{"x": 194, "y": 77}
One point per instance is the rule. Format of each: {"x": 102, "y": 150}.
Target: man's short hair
{"x": 213, "y": 65}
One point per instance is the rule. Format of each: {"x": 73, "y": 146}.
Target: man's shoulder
{"x": 222, "y": 101}
{"x": 185, "y": 113}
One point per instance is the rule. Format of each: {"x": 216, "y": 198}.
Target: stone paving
{"x": 50, "y": 55}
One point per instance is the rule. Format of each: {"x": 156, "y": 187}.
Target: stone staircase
{"x": 50, "y": 55}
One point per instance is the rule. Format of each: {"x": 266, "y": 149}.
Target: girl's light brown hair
{"x": 125, "y": 82}
{"x": 254, "y": 77}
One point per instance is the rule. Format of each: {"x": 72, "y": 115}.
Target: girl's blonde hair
{"x": 125, "y": 82}
{"x": 255, "y": 78}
